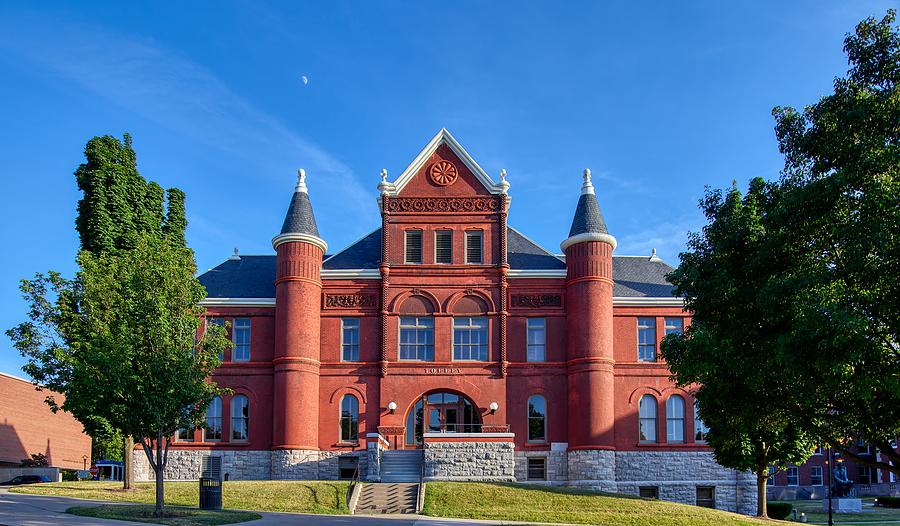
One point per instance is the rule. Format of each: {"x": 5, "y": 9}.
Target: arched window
{"x": 240, "y": 417}
{"x": 537, "y": 419}
{"x": 349, "y": 419}
{"x": 214, "y": 420}
{"x": 700, "y": 429}
{"x": 675, "y": 419}
{"x": 647, "y": 416}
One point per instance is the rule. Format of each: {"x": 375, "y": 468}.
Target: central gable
{"x": 442, "y": 169}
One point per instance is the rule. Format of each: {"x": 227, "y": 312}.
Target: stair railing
{"x": 420, "y": 494}
{"x": 354, "y": 486}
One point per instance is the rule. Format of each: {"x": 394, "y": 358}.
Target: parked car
{"x": 25, "y": 479}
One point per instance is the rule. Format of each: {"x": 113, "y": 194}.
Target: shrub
{"x": 888, "y": 502}
{"x": 36, "y": 460}
{"x": 69, "y": 475}
{"x": 779, "y": 510}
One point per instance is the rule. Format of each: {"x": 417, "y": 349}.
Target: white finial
{"x": 384, "y": 186}
{"x": 587, "y": 187}
{"x": 654, "y": 257}
{"x": 235, "y": 255}
{"x": 301, "y": 181}
{"x": 504, "y": 184}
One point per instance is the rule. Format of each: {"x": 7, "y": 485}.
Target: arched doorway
{"x": 441, "y": 412}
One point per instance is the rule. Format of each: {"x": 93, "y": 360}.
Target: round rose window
{"x": 443, "y": 173}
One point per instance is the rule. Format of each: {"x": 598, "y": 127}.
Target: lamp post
{"x": 830, "y": 486}
{"x": 84, "y": 462}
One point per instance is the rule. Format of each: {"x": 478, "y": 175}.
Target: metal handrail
{"x": 353, "y": 483}
{"x": 464, "y": 428}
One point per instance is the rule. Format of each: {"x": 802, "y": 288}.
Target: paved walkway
{"x": 17, "y": 509}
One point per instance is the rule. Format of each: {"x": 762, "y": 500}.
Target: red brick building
{"x": 27, "y": 427}
{"x": 447, "y": 341}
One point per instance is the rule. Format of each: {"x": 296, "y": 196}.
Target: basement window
{"x": 348, "y": 467}
{"x": 706, "y": 496}
{"x": 537, "y": 468}
{"x": 648, "y": 492}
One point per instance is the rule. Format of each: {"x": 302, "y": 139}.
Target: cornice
{"x": 588, "y": 236}
{"x": 299, "y": 238}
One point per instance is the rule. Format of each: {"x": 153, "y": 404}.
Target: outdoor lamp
{"x": 494, "y": 407}
{"x": 392, "y": 407}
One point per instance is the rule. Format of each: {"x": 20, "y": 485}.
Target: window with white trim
{"x": 240, "y": 417}
{"x": 647, "y": 418}
{"x": 220, "y": 322}
{"x": 240, "y": 335}
{"x": 185, "y": 435}
{"x": 474, "y": 249}
{"x": 674, "y": 326}
{"x": 350, "y": 339}
{"x": 412, "y": 245}
{"x": 470, "y": 339}
{"x": 770, "y": 480}
{"x": 443, "y": 246}
{"x": 537, "y": 339}
{"x": 349, "y": 418}
{"x": 417, "y": 338}
{"x": 815, "y": 475}
{"x": 793, "y": 476}
{"x": 213, "y": 427}
{"x": 675, "y": 419}
{"x": 646, "y": 339}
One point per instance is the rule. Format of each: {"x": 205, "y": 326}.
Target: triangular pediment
{"x": 443, "y": 161}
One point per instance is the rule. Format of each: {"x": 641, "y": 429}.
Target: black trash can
{"x": 210, "y": 494}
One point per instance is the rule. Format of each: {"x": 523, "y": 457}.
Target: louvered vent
{"x": 443, "y": 246}
{"x": 413, "y": 246}
{"x": 473, "y": 247}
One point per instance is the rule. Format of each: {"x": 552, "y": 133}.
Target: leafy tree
{"x": 840, "y": 218}
{"x": 118, "y": 340}
{"x": 725, "y": 356}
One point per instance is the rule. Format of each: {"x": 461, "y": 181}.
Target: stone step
{"x": 379, "y": 498}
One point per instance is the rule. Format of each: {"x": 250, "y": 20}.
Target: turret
{"x": 298, "y": 289}
{"x": 589, "y": 290}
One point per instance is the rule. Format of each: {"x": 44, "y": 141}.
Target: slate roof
{"x": 254, "y": 276}
{"x": 588, "y": 217}
{"x": 299, "y": 218}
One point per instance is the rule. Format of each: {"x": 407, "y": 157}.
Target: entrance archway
{"x": 441, "y": 412}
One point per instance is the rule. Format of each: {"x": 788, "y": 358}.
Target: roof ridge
{"x": 351, "y": 245}
{"x": 533, "y": 242}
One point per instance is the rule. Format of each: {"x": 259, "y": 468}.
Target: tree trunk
{"x": 762, "y": 475}
{"x": 160, "y": 474}
{"x": 128, "y": 457}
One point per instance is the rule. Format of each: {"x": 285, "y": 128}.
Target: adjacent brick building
{"x": 447, "y": 333}
{"x": 27, "y": 427}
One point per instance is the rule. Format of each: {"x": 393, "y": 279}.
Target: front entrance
{"x": 441, "y": 412}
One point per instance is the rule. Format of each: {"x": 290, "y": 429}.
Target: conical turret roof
{"x": 300, "y": 222}
{"x": 588, "y": 223}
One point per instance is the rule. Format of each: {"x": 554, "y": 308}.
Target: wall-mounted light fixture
{"x": 392, "y": 407}
{"x": 494, "y": 407}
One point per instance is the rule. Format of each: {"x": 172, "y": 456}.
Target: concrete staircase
{"x": 401, "y": 465}
{"x": 398, "y": 497}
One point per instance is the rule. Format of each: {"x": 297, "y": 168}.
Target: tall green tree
{"x": 118, "y": 340}
{"x": 725, "y": 357}
{"x": 840, "y": 216}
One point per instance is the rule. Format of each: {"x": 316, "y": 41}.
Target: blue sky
{"x": 658, "y": 99}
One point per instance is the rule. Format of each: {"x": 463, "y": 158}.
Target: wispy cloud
{"x": 668, "y": 238}
{"x": 159, "y": 85}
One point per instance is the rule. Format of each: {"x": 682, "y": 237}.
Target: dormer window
{"x": 413, "y": 246}
{"x": 443, "y": 246}
{"x": 474, "y": 247}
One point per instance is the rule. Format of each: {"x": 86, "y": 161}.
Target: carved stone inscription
{"x": 350, "y": 301}
{"x": 536, "y": 301}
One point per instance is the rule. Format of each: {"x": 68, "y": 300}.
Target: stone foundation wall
{"x": 592, "y": 468}
{"x": 676, "y": 475}
{"x": 557, "y": 464}
{"x": 184, "y": 464}
{"x": 470, "y": 461}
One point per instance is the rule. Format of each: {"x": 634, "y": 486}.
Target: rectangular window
{"x": 706, "y": 496}
{"x": 413, "y": 246}
{"x": 770, "y": 480}
{"x": 221, "y": 323}
{"x": 417, "y": 338}
{"x": 818, "y": 450}
{"x": 470, "y": 339}
{"x": 443, "y": 246}
{"x": 473, "y": 246}
{"x": 793, "y": 476}
{"x": 348, "y": 466}
{"x": 646, "y": 339}
{"x": 700, "y": 429}
{"x": 537, "y": 339}
{"x": 674, "y": 326}
{"x": 815, "y": 475}
{"x": 866, "y": 475}
{"x": 185, "y": 435}
{"x": 350, "y": 339}
{"x": 648, "y": 492}
{"x": 240, "y": 335}
{"x": 537, "y": 468}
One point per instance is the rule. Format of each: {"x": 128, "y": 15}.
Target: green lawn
{"x": 175, "y": 516}
{"x": 518, "y": 502}
{"x": 870, "y": 514}
{"x": 282, "y": 495}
